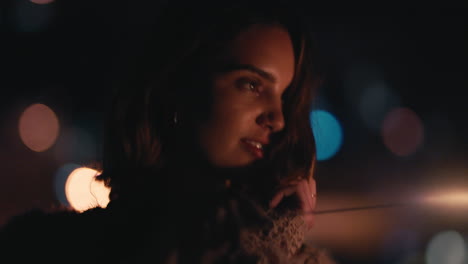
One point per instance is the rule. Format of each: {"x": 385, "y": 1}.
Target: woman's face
{"x": 247, "y": 97}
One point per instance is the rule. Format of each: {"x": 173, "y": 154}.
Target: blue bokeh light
{"x": 328, "y": 134}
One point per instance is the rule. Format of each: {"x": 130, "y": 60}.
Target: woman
{"x": 209, "y": 152}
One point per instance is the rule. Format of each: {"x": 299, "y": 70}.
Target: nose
{"x": 272, "y": 117}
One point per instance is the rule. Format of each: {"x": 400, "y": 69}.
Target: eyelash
{"x": 252, "y": 85}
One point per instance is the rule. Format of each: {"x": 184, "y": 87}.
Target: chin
{"x": 238, "y": 163}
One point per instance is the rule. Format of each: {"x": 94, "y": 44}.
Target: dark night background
{"x": 64, "y": 54}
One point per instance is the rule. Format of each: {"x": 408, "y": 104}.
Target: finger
{"x": 281, "y": 194}
{"x": 276, "y": 199}
{"x": 308, "y": 202}
{"x": 312, "y": 192}
{"x": 312, "y": 185}
{"x": 306, "y": 197}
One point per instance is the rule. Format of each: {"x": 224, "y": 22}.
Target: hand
{"x": 305, "y": 190}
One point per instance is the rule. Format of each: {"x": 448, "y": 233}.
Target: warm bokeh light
{"x": 83, "y": 191}
{"x": 452, "y": 199}
{"x": 447, "y": 247}
{"x": 61, "y": 176}
{"x": 391, "y": 233}
{"x": 100, "y": 192}
{"x": 327, "y": 132}
{"x": 402, "y": 131}
{"x": 38, "y": 127}
{"x": 41, "y": 2}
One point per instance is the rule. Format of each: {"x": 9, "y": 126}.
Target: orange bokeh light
{"x": 38, "y": 127}
{"x": 84, "y": 192}
{"x": 453, "y": 199}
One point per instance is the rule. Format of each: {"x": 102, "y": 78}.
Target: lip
{"x": 263, "y": 141}
{"x": 255, "y": 151}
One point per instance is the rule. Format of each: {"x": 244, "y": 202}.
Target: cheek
{"x": 234, "y": 120}
{"x": 225, "y": 128}
{"x": 221, "y": 137}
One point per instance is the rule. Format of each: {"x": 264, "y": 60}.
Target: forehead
{"x": 268, "y": 47}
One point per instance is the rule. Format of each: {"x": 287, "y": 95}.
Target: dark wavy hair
{"x": 171, "y": 74}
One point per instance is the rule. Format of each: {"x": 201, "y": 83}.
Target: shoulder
{"x": 279, "y": 236}
{"x": 36, "y": 221}
{"x": 47, "y": 235}
{"x": 310, "y": 254}
{"x": 33, "y": 221}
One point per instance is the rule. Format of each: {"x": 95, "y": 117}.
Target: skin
{"x": 247, "y": 104}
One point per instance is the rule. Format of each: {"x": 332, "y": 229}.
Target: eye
{"x": 250, "y": 85}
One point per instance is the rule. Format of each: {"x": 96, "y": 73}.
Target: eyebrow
{"x": 251, "y": 68}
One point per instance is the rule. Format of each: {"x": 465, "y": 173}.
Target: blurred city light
{"x": 327, "y": 133}
{"x": 447, "y": 247}
{"x": 83, "y": 191}
{"x": 60, "y": 179}
{"x": 375, "y": 102}
{"x": 42, "y": 2}
{"x": 368, "y": 93}
{"x": 402, "y": 131}
{"x": 100, "y": 192}
{"x": 449, "y": 199}
{"x": 76, "y": 144}
{"x": 38, "y": 127}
